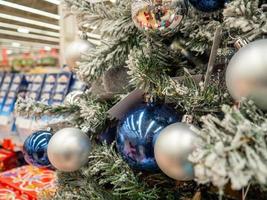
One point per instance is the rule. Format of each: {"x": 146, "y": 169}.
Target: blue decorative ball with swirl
{"x": 208, "y": 5}
{"x": 35, "y": 149}
{"x": 137, "y": 133}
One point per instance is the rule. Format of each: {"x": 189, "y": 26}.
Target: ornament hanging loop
{"x": 151, "y": 99}
{"x": 82, "y": 35}
{"x": 240, "y": 43}
{"x": 187, "y": 119}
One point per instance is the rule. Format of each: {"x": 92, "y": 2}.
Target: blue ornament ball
{"x": 35, "y": 149}
{"x": 137, "y": 133}
{"x": 208, "y": 5}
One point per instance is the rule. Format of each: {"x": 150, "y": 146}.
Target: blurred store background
{"x": 39, "y": 46}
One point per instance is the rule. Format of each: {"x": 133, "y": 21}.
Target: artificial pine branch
{"x": 118, "y": 36}
{"x": 197, "y": 30}
{"x": 106, "y": 172}
{"x": 93, "y": 114}
{"x": 89, "y": 114}
{"x": 30, "y": 108}
{"x": 244, "y": 18}
{"x": 234, "y": 149}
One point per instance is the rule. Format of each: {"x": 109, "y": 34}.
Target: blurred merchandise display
{"x": 49, "y": 88}
{"x": 28, "y": 62}
{"x": 27, "y": 183}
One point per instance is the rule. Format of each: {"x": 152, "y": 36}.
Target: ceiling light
{"x": 32, "y": 30}
{"x": 15, "y": 44}
{"x": 47, "y": 48}
{"x": 32, "y": 36}
{"x": 29, "y": 21}
{"x": 29, "y": 9}
{"x": 23, "y": 30}
{"x": 9, "y": 52}
{"x": 57, "y": 2}
{"x": 36, "y": 44}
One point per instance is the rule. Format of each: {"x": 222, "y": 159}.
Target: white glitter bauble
{"x": 161, "y": 16}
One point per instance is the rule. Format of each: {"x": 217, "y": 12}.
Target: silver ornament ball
{"x": 75, "y": 50}
{"x": 69, "y": 149}
{"x": 161, "y": 16}
{"x": 172, "y": 148}
{"x": 246, "y": 74}
{"x": 73, "y": 97}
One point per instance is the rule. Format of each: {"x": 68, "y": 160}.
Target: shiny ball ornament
{"x": 35, "y": 149}
{"x": 69, "y": 149}
{"x": 172, "y": 148}
{"x": 162, "y": 17}
{"x": 246, "y": 74}
{"x": 208, "y": 5}
{"x": 137, "y": 132}
{"x": 75, "y": 50}
{"x": 73, "y": 97}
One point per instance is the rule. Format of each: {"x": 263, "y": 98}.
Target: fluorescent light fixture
{"x": 29, "y": 9}
{"x": 57, "y": 2}
{"x": 23, "y": 30}
{"x": 32, "y": 30}
{"x": 16, "y": 44}
{"x": 9, "y": 51}
{"x": 32, "y": 36}
{"x": 35, "y": 44}
{"x": 29, "y": 21}
{"x": 47, "y": 48}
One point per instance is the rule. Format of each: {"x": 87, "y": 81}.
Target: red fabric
{"x": 29, "y": 181}
{"x": 8, "y": 193}
{"x": 8, "y": 160}
{"x": 8, "y": 144}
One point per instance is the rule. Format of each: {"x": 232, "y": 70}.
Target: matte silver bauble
{"x": 75, "y": 50}
{"x": 172, "y": 148}
{"x": 246, "y": 74}
{"x": 73, "y": 97}
{"x": 161, "y": 17}
{"x": 69, "y": 149}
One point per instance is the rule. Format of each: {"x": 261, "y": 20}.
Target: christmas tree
{"x": 201, "y": 131}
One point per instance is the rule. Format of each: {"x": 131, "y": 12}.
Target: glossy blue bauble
{"x": 35, "y": 149}
{"x": 208, "y": 5}
{"x": 137, "y": 133}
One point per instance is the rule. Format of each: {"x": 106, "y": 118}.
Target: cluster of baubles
{"x": 163, "y": 17}
{"x": 151, "y": 137}
{"x": 66, "y": 150}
